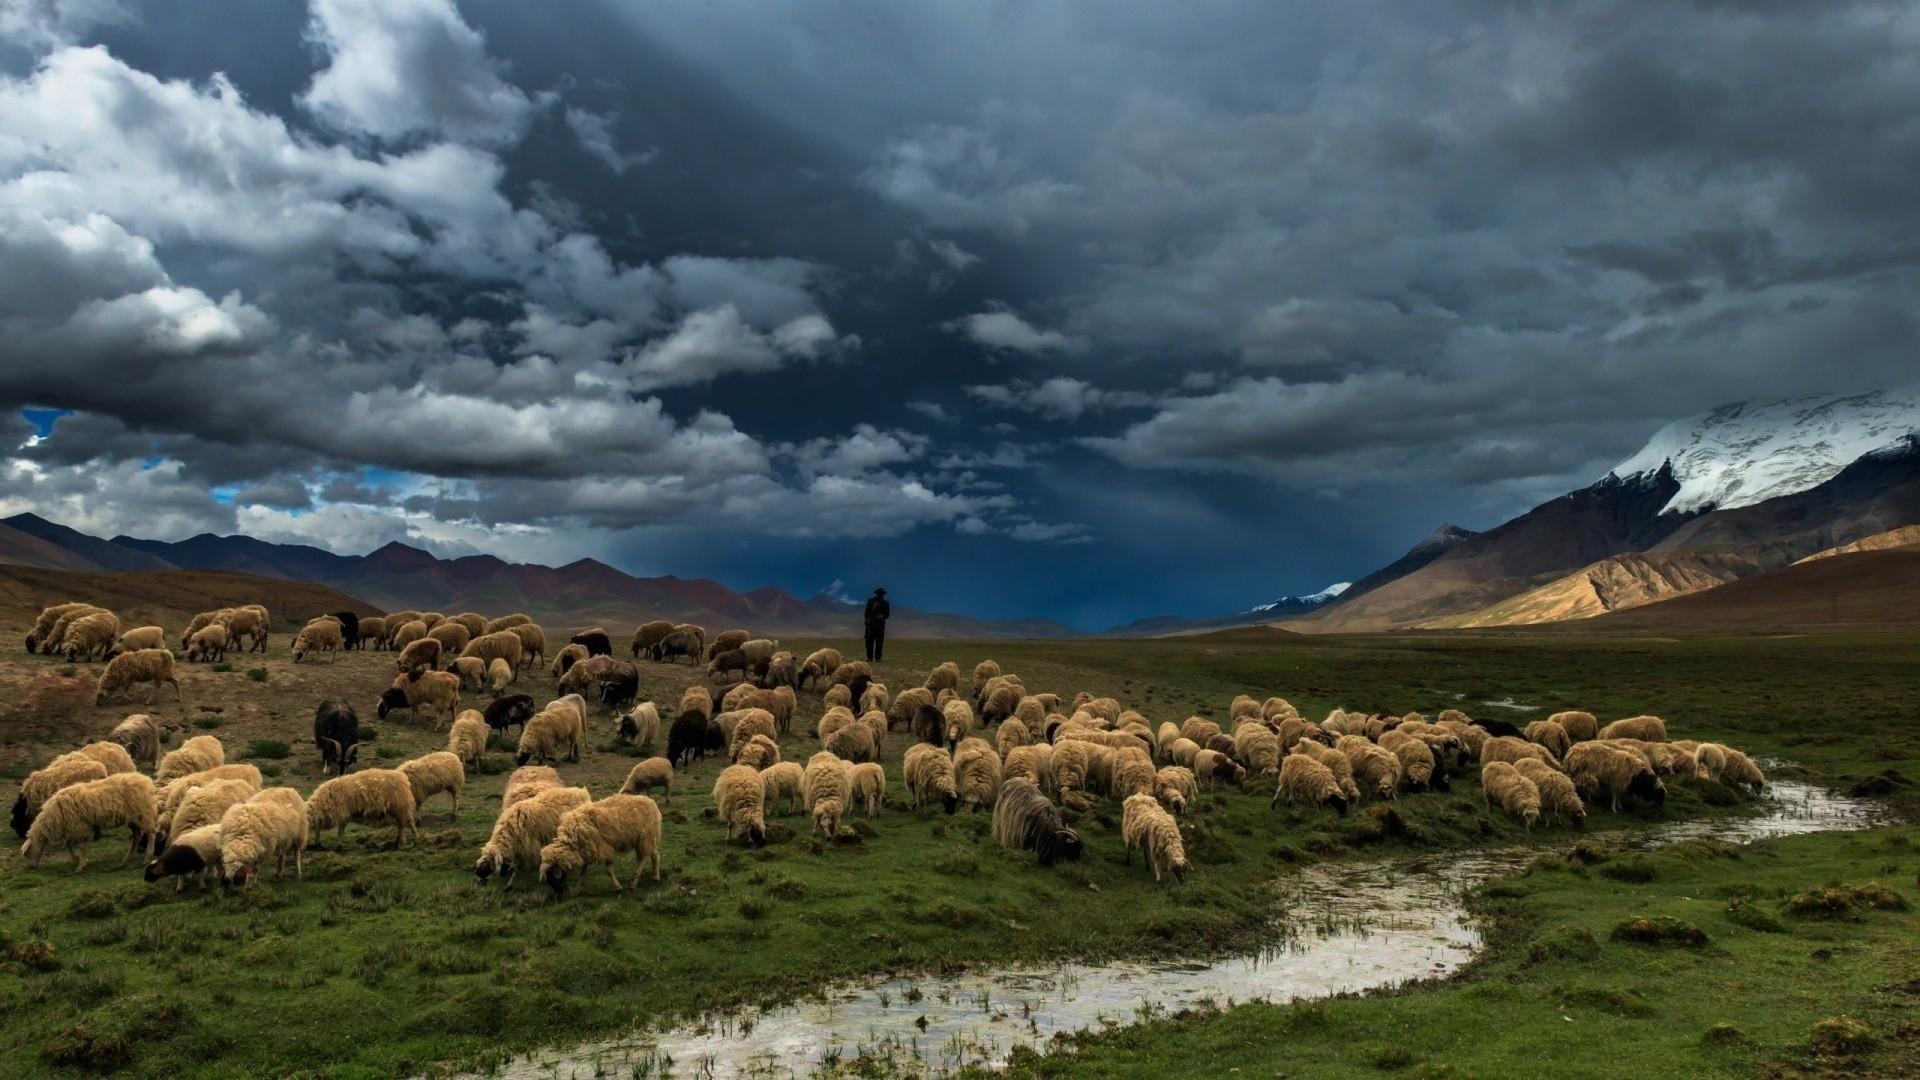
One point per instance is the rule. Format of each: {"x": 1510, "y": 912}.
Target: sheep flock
{"x": 796, "y": 736}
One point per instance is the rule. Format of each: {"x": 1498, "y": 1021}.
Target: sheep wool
{"x": 1509, "y": 749}
{"x": 500, "y": 675}
{"x": 1501, "y": 783}
{"x": 984, "y": 671}
{"x": 168, "y": 798}
{"x": 1131, "y": 773}
{"x": 1145, "y": 825}
{"x": 1199, "y": 729}
{"x": 1558, "y": 796}
{"x": 1336, "y": 762}
{"x": 1738, "y": 769}
{"x": 1644, "y": 728}
{"x": 757, "y": 752}
{"x": 194, "y": 854}
{"x": 154, "y": 667}
{"x": 111, "y": 755}
{"x": 553, "y": 732}
{"x": 1376, "y": 771}
{"x": 62, "y": 772}
{"x": 1597, "y": 769}
{"x": 1175, "y": 787}
{"x": 141, "y": 637}
{"x": 140, "y": 735}
{"x": 1303, "y": 778}
{"x": 267, "y": 826}
{"x": 467, "y": 738}
{"x": 1212, "y": 765}
{"x": 594, "y": 834}
{"x": 204, "y": 804}
{"x": 197, "y": 754}
{"x": 869, "y": 780}
{"x": 92, "y": 635}
{"x": 497, "y": 645}
{"x": 785, "y": 780}
{"x": 1032, "y": 762}
{"x": 653, "y": 772}
{"x": 928, "y": 771}
{"x": 828, "y": 789}
{"x": 738, "y": 796}
{"x": 323, "y": 636}
{"x": 432, "y": 774}
{"x": 976, "y": 774}
{"x": 527, "y": 781}
{"x": 369, "y": 795}
{"x": 1257, "y": 747}
{"x": 74, "y": 815}
{"x": 42, "y": 631}
{"x": 1579, "y": 726}
{"x": 640, "y": 725}
{"x": 1417, "y": 765}
{"x": 853, "y": 742}
{"x": 944, "y": 676}
{"x": 959, "y": 720}
{"x": 1025, "y": 820}
{"x": 1013, "y": 733}
{"x": 523, "y": 828}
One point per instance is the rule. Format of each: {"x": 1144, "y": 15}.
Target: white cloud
{"x": 42, "y": 24}
{"x": 1058, "y": 398}
{"x": 595, "y": 132}
{"x": 932, "y": 410}
{"x": 1002, "y": 329}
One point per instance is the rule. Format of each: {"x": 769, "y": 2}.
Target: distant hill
{"x": 401, "y": 576}
{"x": 1877, "y": 588}
{"x": 166, "y": 598}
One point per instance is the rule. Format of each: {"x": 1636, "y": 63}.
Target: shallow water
{"x": 1348, "y": 926}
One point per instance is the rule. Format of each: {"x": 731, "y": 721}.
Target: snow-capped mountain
{"x": 1302, "y": 603}
{"x": 1749, "y": 452}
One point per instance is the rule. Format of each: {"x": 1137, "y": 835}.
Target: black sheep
{"x": 675, "y": 645}
{"x": 505, "y": 712}
{"x": 857, "y": 686}
{"x": 1499, "y": 727}
{"x": 595, "y": 641}
{"x": 349, "y": 629}
{"x": 686, "y": 739}
{"x": 21, "y": 819}
{"x": 336, "y": 734}
{"x": 929, "y": 725}
{"x": 1025, "y": 818}
{"x": 620, "y": 686}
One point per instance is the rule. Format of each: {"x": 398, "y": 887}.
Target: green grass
{"x": 385, "y": 963}
{"x": 1584, "y": 978}
{"x": 258, "y": 674}
{"x": 269, "y": 749}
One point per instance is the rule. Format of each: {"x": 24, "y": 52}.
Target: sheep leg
{"x": 79, "y": 857}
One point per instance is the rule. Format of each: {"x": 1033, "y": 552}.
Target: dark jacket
{"x": 877, "y": 611}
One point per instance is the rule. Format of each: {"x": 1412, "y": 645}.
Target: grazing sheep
{"x": 373, "y": 633}
{"x": 499, "y": 645}
{"x": 687, "y": 738}
{"x": 336, "y": 735}
{"x": 1257, "y": 748}
{"x": 596, "y": 641}
{"x": 1303, "y": 777}
{"x": 1145, "y": 825}
{"x": 1599, "y": 769}
{"x": 421, "y": 655}
{"x": 838, "y": 697}
{"x": 191, "y": 854}
{"x": 509, "y": 711}
{"x": 167, "y": 798}
{"x": 1025, "y": 820}
{"x": 1510, "y": 749}
{"x": 62, "y": 772}
{"x": 649, "y": 634}
{"x": 366, "y": 796}
{"x": 524, "y": 827}
{"x": 653, "y": 772}
{"x": 471, "y": 670}
{"x": 504, "y": 622}
{"x": 780, "y": 701}
{"x": 1418, "y": 767}
{"x": 1211, "y": 765}
{"x": 1336, "y": 762}
{"x": 742, "y": 725}
{"x": 434, "y": 694}
{"x": 738, "y": 797}
{"x": 959, "y": 720}
{"x": 73, "y": 816}
{"x": 452, "y": 637}
{"x": 197, "y": 754}
{"x": 1243, "y": 708}
{"x": 151, "y": 666}
{"x": 944, "y": 676}
{"x": 869, "y": 780}
{"x": 677, "y": 644}
{"x": 819, "y": 664}
{"x": 726, "y": 640}
{"x": 758, "y": 752}
{"x": 111, "y": 756}
{"x": 208, "y": 644}
{"x": 1012, "y": 733}
{"x": 91, "y": 635}
{"x": 406, "y": 633}
{"x": 982, "y": 672}
{"x": 1175, "y": 786}
{"x": 906, "y": 705}
{"x": 1557, "y": 793}
{"x": 598, "y": 832}
{"x": 1501, "y": 783}
{"x": 554, "y": 731}
{"x": 1644, "y": 728}
{"x": 139, "y": 734}
{"x": 640, "y": 725}
{"x": 874, "y": 699}
{"x": 527, "y": 781}
{"x": 976, "y": 774}
{"x": 272, "y": 824}
{"x": 928, "y": 772}
{"x": 1738, "y": 769}
{"x": 1182, "y": 751}
{"x": 140, "y": 637}
{"x": 1199, "y": 729}
{"x": 431, "y": 774}
{"x": 731, "y": 660}
{"x": 565, "y": 659}
{"x": 1376, "y": 770}
{"x": 853, "y": 742}
{"x": 1710, "y": 757}
{"x": 828, "y": 790}
{"x": 432, "y": 618}
{"x": 57, "y": 635}
{"x": 1496, "y": 728}
{"x": 42, "y": 629}
{"x": 584, "y": 674}
{"x": 1579, "y": 726}
{"x": 533, "y": 643}
{"x": 500, "y": 675}
{"x": 1131, "y": 773}
{"x": 467, "y": 738}
{"x": 783, "y": 780}
{"x": 475, "y": 623}
{"x": 698, "y": 699}
{"x": 324, "y": 635}
{"x": 1033, "y": 762}
{"x": 759, "y": 651}
{"x": 1000, "y": 703}
{"x": 204, "y": 804}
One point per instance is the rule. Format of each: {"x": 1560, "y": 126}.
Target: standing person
{"x": 877, "y": 612}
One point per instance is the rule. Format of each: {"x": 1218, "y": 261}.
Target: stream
{"x": 1349, "y": 926}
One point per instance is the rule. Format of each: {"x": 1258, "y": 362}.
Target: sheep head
{"x": 391, "y": 699}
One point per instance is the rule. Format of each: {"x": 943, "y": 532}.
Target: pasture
{"x": 383, "y": 962}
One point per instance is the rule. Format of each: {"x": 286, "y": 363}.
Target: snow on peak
{"x": 1311, "y": 600}
{"x": 1749, "y": 452}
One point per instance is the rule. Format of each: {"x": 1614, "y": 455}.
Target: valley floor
{"x": 385, "y": 963}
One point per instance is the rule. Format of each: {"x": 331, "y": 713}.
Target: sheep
{"x": 741, "y": 725}
{"x": 1257, "y": 748}
{"x": 739, "y": 799}
{"x": 727, "y": 640}
{"x": 729, "y": 660}
{"x": 1599, "y": 769}
{"x": 584, "y": 674}
{"x": 1025, "y": 820}
{"x": 509, "y": 711}
{"x": 73, "y": 816}
{"x": 928, "y": 772}
{"x": 111, "y": 755}
{"x": 402, "y": 634}
{"x": 976, "y": 774}
{"x": 140, "y": 637}
{"x": 1376, "y": 770}
{"x": 1508, "y": 748}
{"x": 204, "y": 804}
{"x": 1131, "y": 773}
{"x": 504, "y": 622}
{"x": 640, "y": 725}
{"x": 431, "y": 774}
{"x": 906, "y": 704}
{"x": 451, "y": 637}
{"x": 1033, "y": 762}
{"x": 434, "y": 694}
{"x": 758, "y": 751}
{"x": 1497, "y": 728}
{"x": 779, "y": 701}
{"x": 208, "y": 644}
{"x": 197, "y": 754}
{"x": 139, "y": 735}
{"x": 1243, "y": 707}
{"x": 876, "y": 723}
{"x": 1303, "y": 777}
{"x": 759, "y": 651}
{"x": 653, "y": 772}
{"x": 869, "y": 782}
{"x": 838, "y": 696}
{"x": 420, "y": 655}
{"x": 167, "y": 799}
{"x": 366, "y": 796}
{"x": 1165, "y": 737}
{"x": 1579, "y": 726}
{"x": 273, "y": 824}
{"x": 475, "y": 623}
{"x": 1738, "y": 769}
{"x": 784, "y": 671}
{"x": 1199, "y": 729}
{"x": 151, "y": 666}
{"x": 1644, "y": 728}
{"x": 1418, "y": 767}
{"x": 499, "y": 645}
{"x": 471, "y": 670}
{"x": 191, "y": 854}
{"x": 1143, "y": 824}
{"x": 527, "y": 781}
{"x": 373, "y": 632}
{"x": 595, "y": 639}
{"x": 649, "y": 634}
{"x": 336, "y": 735}
{"x": 90, "y": 635}
{"x": 1211, "y": 765}
{"x": 1518, "y": 796}
{"x": 1557, "y": 793}
{"x": 63, "y": 772}
{"x": 687, "y": 738}
{"x": 500, "y": 675}
{"x": 1077, "y": 765}
{"x": 1336, "y": 762}
{"x": 42, "y": 629}
{"x": 467, "y": 738}
{"x": 1176, "y": 786}
{"x": 1182, "y": 751}
{"x": 555, "y": 729}
{"x": 1012, "y": 733}
{"x": 783, "y": 780}
{"x": 1472, "y": 738}
{"x": 1105, "y": 708}
{"x": 57, "y": 634}
{"x": 818, "y": 666}
{"x": 828, "y": 789}
{"x": 959, "y": 721}
{"x": 533, "y": 643}
{"x": 565, "y": 659}
{"x": 523, "y": 828}
{"x": 677, "y": 644}
{"x": 853, "y": 742}
{"x": 597, "y": 833}
{"x": 945, "y": 676}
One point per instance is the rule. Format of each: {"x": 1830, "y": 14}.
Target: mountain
{"x": 1867, "y": 589}
{"x": 1437, "y": 543}
{"x": 1171, "y": 625}
{"x": 402, "y": 576}
{"x": 1287, "y": 605}
{"x": 164, "y": 597}
{"x": 1616, "y": 583}
{"x": 1746, "y": 453}
{"x": 1904, "y": 536}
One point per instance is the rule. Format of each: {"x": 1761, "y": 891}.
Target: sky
{"x": 1070, "y": 310}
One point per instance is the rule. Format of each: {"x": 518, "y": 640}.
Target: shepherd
{"x": 877, "y": 612}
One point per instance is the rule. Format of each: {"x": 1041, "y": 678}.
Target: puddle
{"x": 1349, "y": 927}
{"x": 1510, "y": 704}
